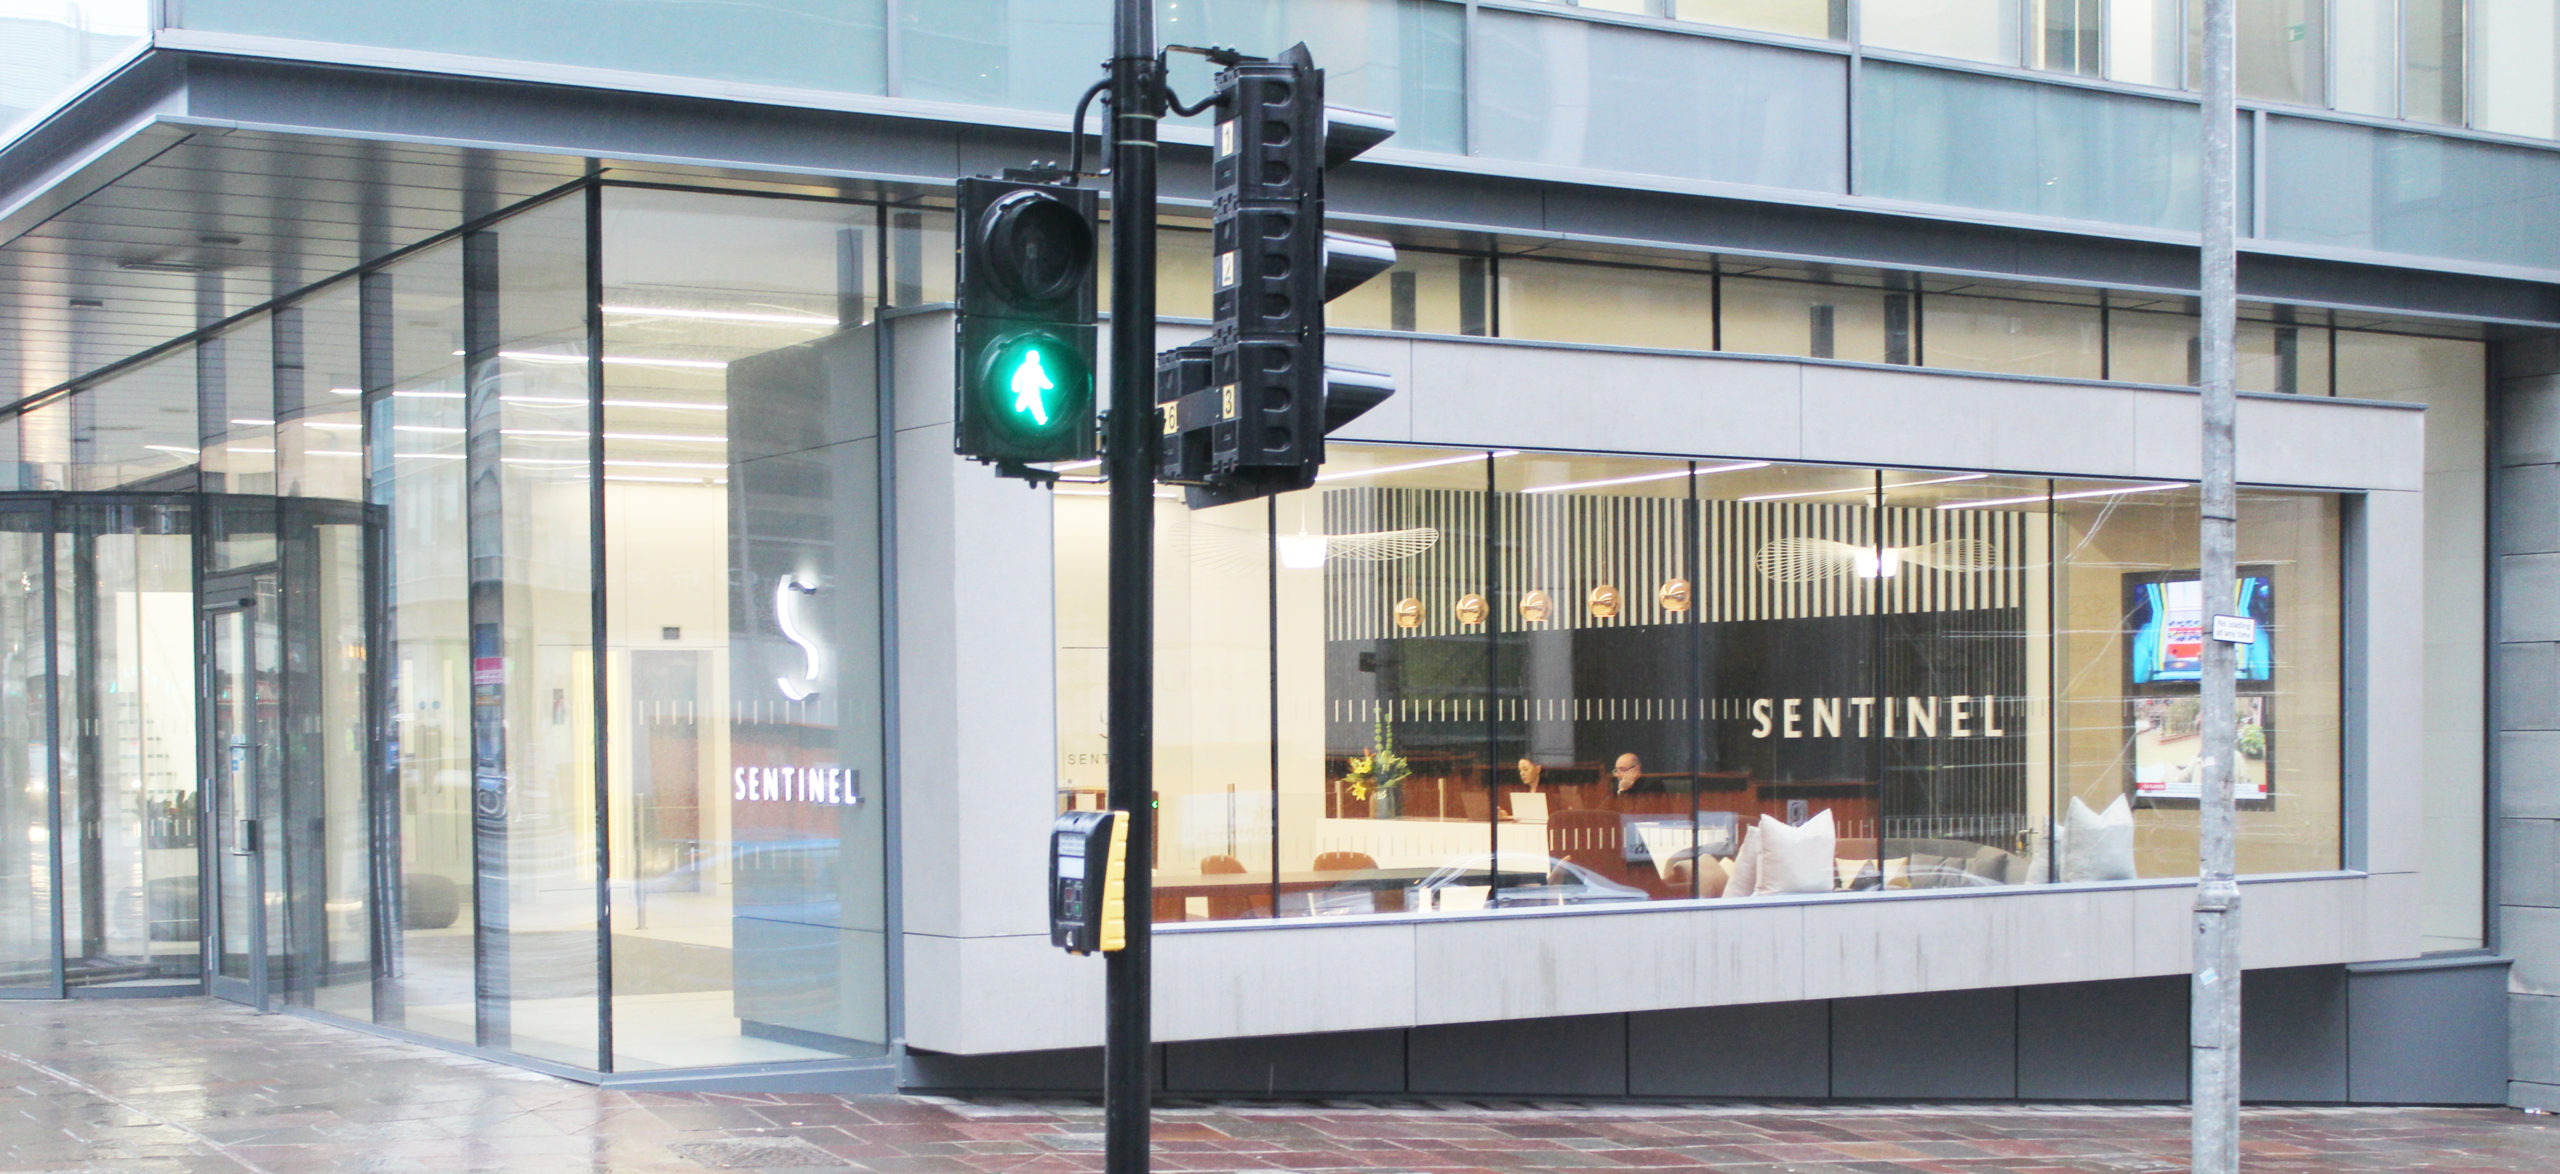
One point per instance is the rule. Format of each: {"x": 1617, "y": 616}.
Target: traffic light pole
{"x": 1130, "y": 440}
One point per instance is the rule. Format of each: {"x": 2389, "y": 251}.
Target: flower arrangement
{"x": 1379, "y": 770}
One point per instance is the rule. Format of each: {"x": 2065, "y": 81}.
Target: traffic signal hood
{"x": 1026, "y": 280}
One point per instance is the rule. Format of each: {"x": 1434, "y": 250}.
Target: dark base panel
{"x": 2432, "y": 1031}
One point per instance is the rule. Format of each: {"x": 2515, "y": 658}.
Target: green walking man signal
{"x": 1031, "y": 387}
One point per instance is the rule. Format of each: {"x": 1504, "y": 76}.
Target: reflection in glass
{"x": 2282, "y": 46}
{"x": 1567, "y": 301}
{"x": 1771, "y": 316}
{"x": 1827, "y": 19}
{"x": 52, "y": 47}
{"x": 27, "y": 885}
{"x": 2142, "y": 41}
{"x": 2129, "y": 615}
{"x": 1974, "y": 30}
{"x": 126, "y": 630}
{"x": 2012, "y": 335}
{"x": 1606, "y": 678}
{"x": 742, "y": 761}
{"x": 804, "y": 44}
{"x": 414, "y": 452}
{"x": 2513, "y": 82}
{"x": 1434, "y": 293}
{"x": 319, "y": 439}
{"x": 2433, "y": 57}
{"x": 532, "y": 631}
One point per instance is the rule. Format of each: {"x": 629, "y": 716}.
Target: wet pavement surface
{"x": 192, "y": 1085}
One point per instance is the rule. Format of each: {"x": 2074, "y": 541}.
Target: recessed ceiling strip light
{"x": 1732, "y": 468}
{"x": 1863, "y": 488}
{"x": 1435, "y": 463}
{"x": 2116, "y": 492}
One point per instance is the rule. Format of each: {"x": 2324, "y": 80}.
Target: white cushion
{"x": 2095, "y": 845}
{"x": 1744, "y": 873}
{"x": 1794, "y": 859}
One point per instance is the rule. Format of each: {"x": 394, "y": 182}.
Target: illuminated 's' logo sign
{"x": 786, "y": 599}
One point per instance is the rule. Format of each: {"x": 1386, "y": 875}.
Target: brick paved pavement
{"x": 190, "y": 1085}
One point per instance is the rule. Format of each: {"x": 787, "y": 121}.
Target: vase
{"x": 1386, "y": 803}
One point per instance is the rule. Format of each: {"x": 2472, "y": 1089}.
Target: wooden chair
{"x": 1243, "y": 904}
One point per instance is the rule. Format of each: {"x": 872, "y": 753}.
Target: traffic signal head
{"x": 1261, "y": 424}
{"x": 1026, "y": 309}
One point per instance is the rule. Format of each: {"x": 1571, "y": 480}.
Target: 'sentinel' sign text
{"x": 1957, "y": 715}
{"x": 830, "y": 786}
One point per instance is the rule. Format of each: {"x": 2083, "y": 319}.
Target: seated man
{"x": 1630, "y": 775}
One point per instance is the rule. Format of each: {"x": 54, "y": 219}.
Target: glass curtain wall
{"x": 322, "y": 536}
{"x": 741, "y": 509}
{"x": 396, "y": 480}
{"x": 412, "y": 395}
{"x": 1503, "y": 679}
{"x": 29, "y": 886}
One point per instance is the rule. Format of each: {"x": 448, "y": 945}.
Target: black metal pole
{"x": 1127, "y": 1049}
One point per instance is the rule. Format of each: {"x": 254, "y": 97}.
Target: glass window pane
{"x": 808, "y": 44}
{"x": 414, "y": 447}
{"x": 2068, "y": 36}
{"x": 2068, "y": 152}
{"x": 2368, "y": 48}
{"x": 2511, "y": 63}
{"x": 531, "y": 610}
{"x": 235, "y": 409}
{"x": 2450, "y": 377}
{"x": 127, "y": 634}
{"x": 2434, "y": 60}
{"x": 1961, "y": 568}
{"x": 922, "y": 257}
{"x": 2281, "y": 48}
{"x": 1566, "y": 302}
{"x": 1797, "y": 719}
{"x": 1579, "y": 93}
{"x": 2143, "y": 42}
{"x": 1383, "y": 567}
{"x": 320, "y": 538}
{"x": 1026, "y": 54}
{"x": 2010, "y": 335}
{"x": 1605, "y": 713}
{"x": 1214, "y": 778}
{"x": 2152, "y": 347}
{"x": 1819, "y": 320}
{"x": 1434, "y": 293}
{"x": 1975, "y": 30}
{"x": 135, "y": 430}
{"x": 1400, "y": 57}
{"x": 52, "y": 47}
{"x": 742, "y": 660}
{"x": 26, "y": 750}
{"x": 2359, "y": 187}
{"x": 1827, "y": 19}
{"x": 2128, "y": 715}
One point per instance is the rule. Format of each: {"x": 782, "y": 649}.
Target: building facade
{"x": 482, "y": 559}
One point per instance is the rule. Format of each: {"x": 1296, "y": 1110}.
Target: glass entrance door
{"x": 242, "y": 707}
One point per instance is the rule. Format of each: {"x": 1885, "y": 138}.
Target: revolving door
{"x": 98, "y": 783}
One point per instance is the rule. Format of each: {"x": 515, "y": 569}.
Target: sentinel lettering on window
{"x": 827, "y": 786}
{"x": 1956, "y": 716}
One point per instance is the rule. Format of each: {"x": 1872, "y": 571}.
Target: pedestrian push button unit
{"x": 1088, "y": 878}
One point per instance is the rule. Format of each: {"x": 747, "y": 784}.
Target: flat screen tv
{"x": 2166, "y": 621}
